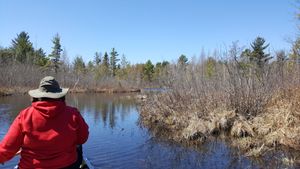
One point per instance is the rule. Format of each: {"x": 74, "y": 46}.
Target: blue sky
{"x": 148, "y": 29}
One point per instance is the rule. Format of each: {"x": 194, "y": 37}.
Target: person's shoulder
{"x": 72, "y": 109}
{"x": 26, "y": 111}
{"x": 73, "y": 112}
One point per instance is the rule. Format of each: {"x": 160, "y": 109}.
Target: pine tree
{"x": 105, "y": 62}
{"x": 182, "y": 60}
{"x": 40, "y": 58}
{"x": 113, "y": 61}
{"x": 149, "y": 70}
{"x": 79, "y": 65}
{"x": 258, "y": 55}
{"x": 97, "y": 58}
{"x": 22, "y": 48}
{"x": 90, "y": 66}
{"x": 165, "y": 63}
{"x": 56, "y": 53}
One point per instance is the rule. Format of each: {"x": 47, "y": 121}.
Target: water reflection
{"x": 13, "y": 105}
{"x": 9, "y": 109}
{"x": 214, "y": 154}
{"x": 102, "y": 108}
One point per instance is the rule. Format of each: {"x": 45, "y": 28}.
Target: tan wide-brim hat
{"x": 48, "y": 88}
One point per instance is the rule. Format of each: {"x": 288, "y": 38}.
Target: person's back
{"x": 48, "y": 132}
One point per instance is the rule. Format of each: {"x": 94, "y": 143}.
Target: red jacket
{"x": 47, "y": 132}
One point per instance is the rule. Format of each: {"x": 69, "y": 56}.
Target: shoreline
{"x": 4, "y": 92}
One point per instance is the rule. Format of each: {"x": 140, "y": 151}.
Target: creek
{"x": 118, "y": 141}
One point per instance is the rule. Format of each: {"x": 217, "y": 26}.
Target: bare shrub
{"x": 260, "y": 109}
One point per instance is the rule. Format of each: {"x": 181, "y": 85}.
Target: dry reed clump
{"x": 161, "y": 115}
{"x": 277, "y": 125}
{"x": 221, "y": 120}
{"x": 4, "y": 92}
{"x": 197, "y": 130}
{"x": 216, "y": 122}
{"x": 245, "y": 143}
{"x": 242, "y": 128}
{"x": 172, "y": 120}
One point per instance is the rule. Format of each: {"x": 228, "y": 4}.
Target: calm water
{"x": 117, "y": 141}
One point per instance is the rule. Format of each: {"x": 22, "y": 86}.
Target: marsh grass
{"x": 256, "y": 111}
{"x": 277, "y": 126}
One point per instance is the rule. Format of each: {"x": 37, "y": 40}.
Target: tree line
{"x": 108, "y": 69}
{"x": 22, "y": 65}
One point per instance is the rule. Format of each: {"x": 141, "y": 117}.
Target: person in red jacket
{"x": 47, "y": 132}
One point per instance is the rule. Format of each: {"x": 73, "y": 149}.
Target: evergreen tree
{"x": 90, "y": 66}
{"x": 113, "y": 61}
{"x": 182, "y": 61}
{"x": 246, "y": 55}
{"x": 160, "y": 70}
{"x": 6, "y": 56}
{"x": 56, "y": 53}
{"x": 22, "y": 48}
{"x": 149, "y": 70}
{"x": 165, "y": 63}
{"x": 105, "y": 62}
{"x": 79, "y": 65}
{"x": 258, "y": 55}
{"x": 97, "y": 58}
{"x": 40, "y": 58}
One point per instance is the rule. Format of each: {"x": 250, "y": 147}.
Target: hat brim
{"x": 36, "y": 93}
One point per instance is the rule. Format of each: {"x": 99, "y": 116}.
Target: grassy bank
{"x": 106, "y": 90}
{"x": 277, "y": 125}
{"x": 255, "y": 104}
{"x": 9, "y": 91}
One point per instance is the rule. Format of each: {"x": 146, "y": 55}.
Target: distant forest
{"x": 21, "y": 66}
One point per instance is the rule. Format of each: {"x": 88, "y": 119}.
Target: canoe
{"x": 86, "y": 164}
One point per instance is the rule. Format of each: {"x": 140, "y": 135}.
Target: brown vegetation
{"x": 278, "y": 125}
{"x": 19, "y": 78}
{"x": 105, "y": 90}
{"x": 257, "y": 107}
